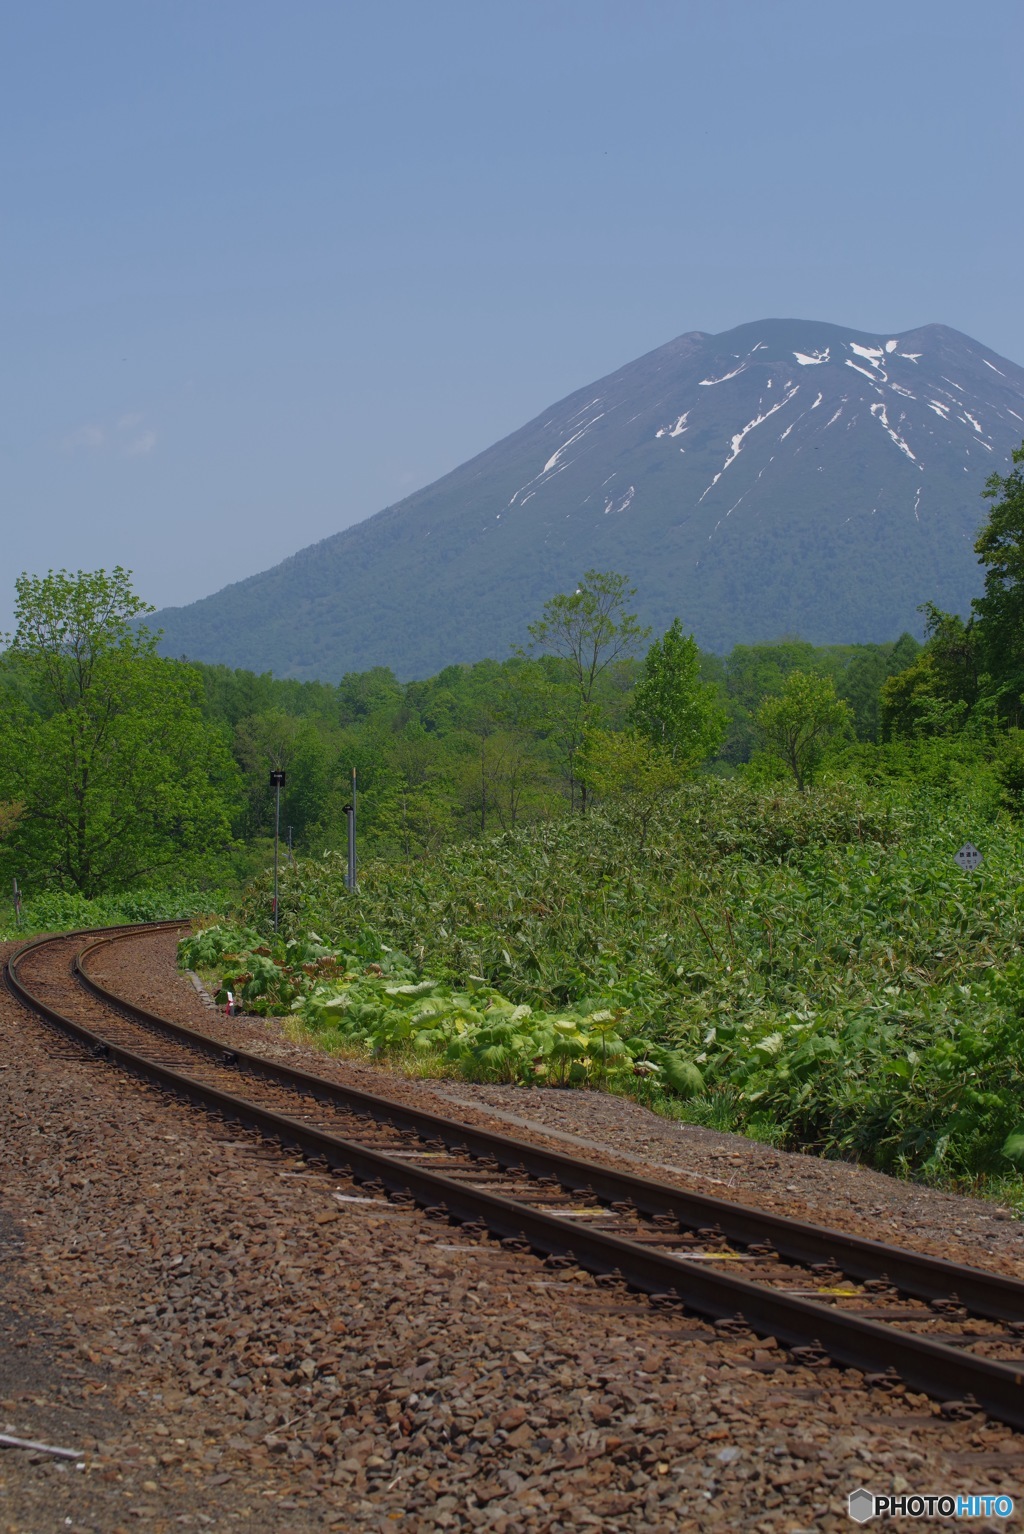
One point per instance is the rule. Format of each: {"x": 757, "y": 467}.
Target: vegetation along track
{"x": 953, "y": 1331}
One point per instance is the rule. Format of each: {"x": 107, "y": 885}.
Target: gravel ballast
{"x": 230, "y": 1336}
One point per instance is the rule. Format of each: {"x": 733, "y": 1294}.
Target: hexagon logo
{"x": 861, "y": 1504}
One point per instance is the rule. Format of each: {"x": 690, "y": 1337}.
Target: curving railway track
{"x": 953, "y": 1331}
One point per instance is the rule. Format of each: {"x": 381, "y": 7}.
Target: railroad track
{"x": 952, "y": 1331}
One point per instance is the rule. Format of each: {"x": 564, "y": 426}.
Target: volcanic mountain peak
{"x": 786, "y": 476}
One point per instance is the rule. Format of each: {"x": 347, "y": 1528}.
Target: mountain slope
{"x": 785, "y": 476}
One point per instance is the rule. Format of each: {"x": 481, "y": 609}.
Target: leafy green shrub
{"x": 381, "y": 1007}
{"x": 820, "y": 965}
{"x": 63, "y": 911}
{"x": 1009, "y": 770}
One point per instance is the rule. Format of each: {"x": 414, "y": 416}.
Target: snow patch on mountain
{"x": 675, "y": 430}
{"x": 746, "y": 492}
{"x": 706, "y": 383}
{"x": 879, "y": 413}
{"x": 873, "y": 356}
{"x": 858, "y": 369}
{"x": 812, "y": 359}
{"x": 610, "y": 507}
{"x": 555, "y": 456}
{"x": 736, "y": 443}
{"x": 584, "y": 408}
{"x": 554, "y": 464}
{"x": 759, "y": 420}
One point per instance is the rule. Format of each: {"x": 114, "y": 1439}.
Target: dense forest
{"x": 475, "y": 749}
{"x": 483, "y": 747}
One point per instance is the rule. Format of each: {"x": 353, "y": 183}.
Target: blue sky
{"x": 267, "y": 268}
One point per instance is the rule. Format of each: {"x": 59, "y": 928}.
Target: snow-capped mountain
{"x": 788, "y": 476}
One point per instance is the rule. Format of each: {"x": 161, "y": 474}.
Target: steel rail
{"x": 984, "y": 1294}
{"x": 942, "y": 1371}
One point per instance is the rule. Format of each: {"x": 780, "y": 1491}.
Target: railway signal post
{"x": 277, "y": 782}
{"x": 350, "y": 816}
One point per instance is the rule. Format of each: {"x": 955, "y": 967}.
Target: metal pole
{"x": 348, "y": 846}
{"x": 352, "y": 837}
{"x": 277, "y": 782}
{"x": 277, "y": 833}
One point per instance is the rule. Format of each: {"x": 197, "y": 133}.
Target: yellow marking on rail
{"x": 712, "y": 1256}
{"x": 573, "y": 1214}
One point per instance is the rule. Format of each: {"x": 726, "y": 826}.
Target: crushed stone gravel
{"x": 228, "y": 1341}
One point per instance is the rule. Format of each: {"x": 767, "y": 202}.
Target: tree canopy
{"x": 801, "y": 722}
{"x": 473, "y": 750}
{"x": 1000, "y": 611}
{"x": 103, "y": 742}
{"x": 672, "y": 707}
{"x": 590, "y": 628}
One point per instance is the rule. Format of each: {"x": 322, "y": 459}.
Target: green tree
{"x": 120, "y": 776}
{"x": 625, "y": 766}
{"x": 801, "y": 722}
{"x": 754, "y": 672}
{"x": 590, "y": 629}
{"x": 410, "y": 803}
{"x": 262, "y": 743}
{"x": 672, "y": 708}
{"x": 935, "y": 695}
{"x": 861, "y": 683}
{"x": 1000, "y": 612}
